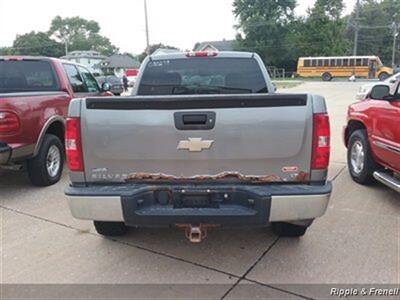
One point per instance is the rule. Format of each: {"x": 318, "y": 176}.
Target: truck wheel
{"x": 359, "y": 158}
{"x": 46, "y": 167}
{"x": 383, "y": 76}
{"x": 110, "y": 228}
{"x": 327, "y": 76}
{"x": 288, "y": 230}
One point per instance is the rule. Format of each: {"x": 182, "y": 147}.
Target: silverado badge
{"x": 195, "y": 145}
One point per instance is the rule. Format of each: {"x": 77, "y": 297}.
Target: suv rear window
{"x": 27, "y": 76}
{"x": 202, "y": 76}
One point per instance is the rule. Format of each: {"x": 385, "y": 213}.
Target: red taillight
{"x": 73, "y": 145}
{"x": 9, "y": 122}
{"x": 201, "y": 54}
{"x": 321, "y": 142}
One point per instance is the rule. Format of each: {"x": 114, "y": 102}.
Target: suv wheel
{"x": 359, "y": 158}
{"x": 288, "y": 230}
{"x": 46, "y": 167}
{"x": 327, "y": 76}
{"x": 110, "y": 228}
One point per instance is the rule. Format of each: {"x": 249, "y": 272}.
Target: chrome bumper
{"x": 282, "y": 208}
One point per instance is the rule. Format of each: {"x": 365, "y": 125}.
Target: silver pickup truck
{"x": 203, "y": 142}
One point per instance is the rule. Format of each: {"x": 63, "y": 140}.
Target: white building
{"x": 90, "y": 59}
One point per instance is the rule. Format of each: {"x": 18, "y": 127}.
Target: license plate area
{"x": 196, "y": 200}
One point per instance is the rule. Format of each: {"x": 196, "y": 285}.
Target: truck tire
{"x": 110, "y": 228}
{"x": 327, "y": 76}
{"x": 46, "y": 167}
{"x": 288, "y": 230}
{"x": 383, "y": 76}
{"x": 359, "y": 158}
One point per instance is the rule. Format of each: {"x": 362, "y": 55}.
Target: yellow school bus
{"x": 343, "y": 66}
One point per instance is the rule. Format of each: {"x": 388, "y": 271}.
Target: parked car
{"x": 34, "y": 97}
{"x": 117, "y": 88}
{"x": 366, "y": 88}
{"x": 131, "y": 74}
{"x": 372, "y": 137}
{"x": 204, "y": 142}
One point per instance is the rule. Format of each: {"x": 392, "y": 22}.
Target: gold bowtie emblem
{"x": 195, "y": 145}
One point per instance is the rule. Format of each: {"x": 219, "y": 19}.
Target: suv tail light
{"x": 321, "y": 142}
{"x": 9, "y": 122}
{"x": 73, "y": 145}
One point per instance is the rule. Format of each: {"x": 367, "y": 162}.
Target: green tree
{"x": 264, "y": 28}
{"x": 152, "y": 49}
{"x": 80, "y": 34}
{"x": 322, "y": 31}
{"x": 5, "y": 51}
{"x": 36, "y": 44}
{"x": 376, "y": 35}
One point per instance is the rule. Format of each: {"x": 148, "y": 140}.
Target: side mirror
{"x": 106, "y": 87}
{"x": 380, "y": 92}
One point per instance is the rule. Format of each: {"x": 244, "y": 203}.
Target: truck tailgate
{"x": 257, "y": 138}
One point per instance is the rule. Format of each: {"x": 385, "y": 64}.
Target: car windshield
{"x": 202, "y": 76}
{"x": 395, "y": 77}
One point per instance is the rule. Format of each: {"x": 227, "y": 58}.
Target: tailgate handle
{"x": 195, "y": 120}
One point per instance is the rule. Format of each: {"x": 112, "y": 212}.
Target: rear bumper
{"x": 164, "y": 205}
{"x": 5, "y": 153}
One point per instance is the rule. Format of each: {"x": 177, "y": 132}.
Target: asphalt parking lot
{"x": 357, "y": 241}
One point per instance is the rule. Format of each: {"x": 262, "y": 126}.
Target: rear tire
{"x": 110, "y": 228}
{"x": 361, "y": 166}
{"x": 288, "y": 230}
{"x": 383, "y": 76}
{"x": 46, "y": 167}
{"x": 327, "y": 76}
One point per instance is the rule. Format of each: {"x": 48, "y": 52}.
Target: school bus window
{"x": 307, "y": 63}
{"x": 320, "y": 62}
{"x": 326, "y": 62}
{"x": 358, "y": 62}
{"x": 345, "y": 62}
{"x": 314, "y": 62}
{"x": 365, "y": 62}
{"x": 352, "y": 62}
{"x": 333, "y": 62}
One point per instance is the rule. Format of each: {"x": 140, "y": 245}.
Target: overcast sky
{"x": 180, "y": 23}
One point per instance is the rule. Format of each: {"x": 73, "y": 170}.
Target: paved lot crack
{"x": 123, "y": 243}
{"x": 339, "y": 173}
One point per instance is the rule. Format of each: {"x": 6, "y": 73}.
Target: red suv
{"x": 372, "y": 137}
{"x": 34, "y": 98}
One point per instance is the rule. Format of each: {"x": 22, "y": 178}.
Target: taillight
{"x": 321, "y": 142}
{"x": 201, "y": 54}
{"x": 73, "y": 145}
{"x": 9, "y": 122}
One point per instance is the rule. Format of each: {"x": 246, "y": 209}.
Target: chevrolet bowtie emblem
{"x": 195, "y": 145}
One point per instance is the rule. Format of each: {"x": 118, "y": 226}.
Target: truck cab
{"x": 372, "y": 136}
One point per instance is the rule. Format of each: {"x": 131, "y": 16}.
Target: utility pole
{"x": 396, "y": 28}
{"x": 356, "y": 28}
{"x": 147, "y": 28}
{"x": 66, "y": 47}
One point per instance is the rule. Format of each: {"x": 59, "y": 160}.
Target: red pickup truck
{"x": 34, "y": 98}
{"x": 372, "y": 137}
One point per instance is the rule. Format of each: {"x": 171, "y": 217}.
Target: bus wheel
{"x": 326, "y": 76}
{"x": 383, "y": 76}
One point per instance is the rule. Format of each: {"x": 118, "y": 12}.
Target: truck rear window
{"x": 202, "y": 76}
{"x": 26, "y": 76}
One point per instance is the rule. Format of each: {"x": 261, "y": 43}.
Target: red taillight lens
{"x": 201, "y": 54}
{"x": 73, "y": 145}
{"x": 9, "y": 122}
{"x": 321, "y": 142}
